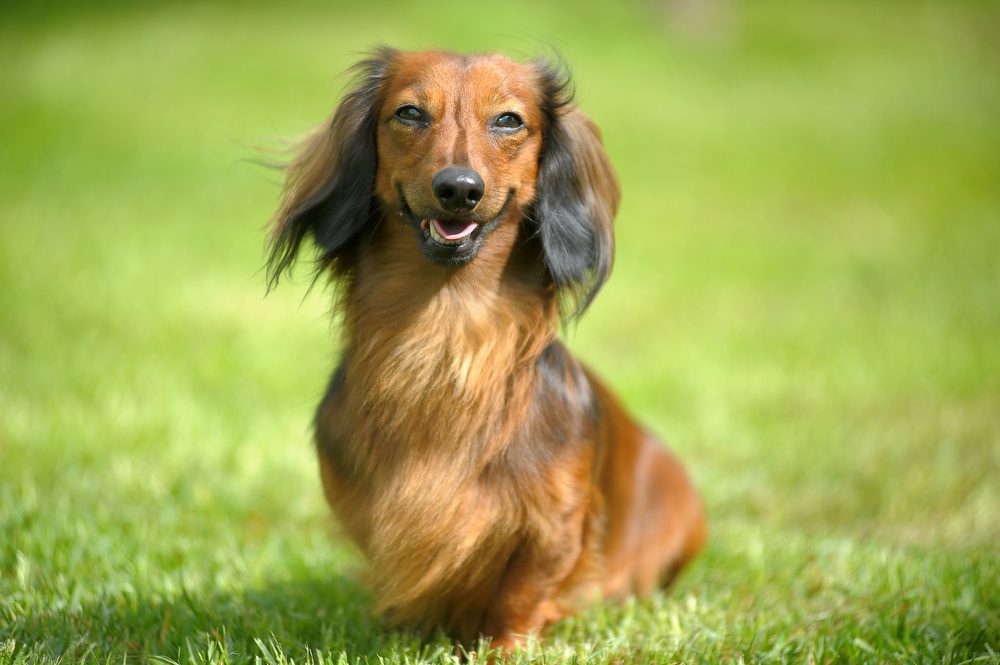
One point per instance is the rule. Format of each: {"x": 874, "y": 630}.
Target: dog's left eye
{"x": 508, "y": 121}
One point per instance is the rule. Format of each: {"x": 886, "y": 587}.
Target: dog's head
{"x": 456, "y": 146}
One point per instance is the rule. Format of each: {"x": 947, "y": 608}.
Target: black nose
{"x": 457, "y": 188}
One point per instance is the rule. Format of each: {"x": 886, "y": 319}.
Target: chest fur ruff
{"x": 418, "y": 431}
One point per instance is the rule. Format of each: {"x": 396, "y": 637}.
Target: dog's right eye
{"x": 411, "y": 115}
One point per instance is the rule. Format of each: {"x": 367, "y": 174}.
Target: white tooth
{"x": 439, "y": 238}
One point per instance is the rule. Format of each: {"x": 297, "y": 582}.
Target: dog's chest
{"x": 412, "y": 494}
{"x": 409, "y": 433}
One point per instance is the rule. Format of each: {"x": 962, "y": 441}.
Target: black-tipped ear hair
{"x": 577, "y": 197}
{"x": 329, "y": 187}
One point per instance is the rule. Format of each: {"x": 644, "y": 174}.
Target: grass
{"x": 806, "y": 302}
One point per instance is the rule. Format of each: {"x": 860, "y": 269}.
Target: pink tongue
{"x": 453, "y": 230}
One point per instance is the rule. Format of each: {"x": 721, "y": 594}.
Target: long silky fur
{"x": 578, "y": 195}
{"x": 444, "y": 375}
{"x": 443, "y": 378}
{"x": 328, "y": 186}
{"x": 457, "y": 437}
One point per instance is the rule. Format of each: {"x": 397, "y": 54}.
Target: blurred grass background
{"x": 806, "y": 303}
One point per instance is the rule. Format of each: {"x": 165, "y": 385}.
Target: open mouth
{"x": 448, "y": 233}
{"x": 450, "y": 241}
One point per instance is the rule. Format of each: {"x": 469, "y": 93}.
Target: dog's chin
{"x": 451, "y": 240}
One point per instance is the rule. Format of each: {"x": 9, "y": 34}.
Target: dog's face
{"x": 456, "y": 146}
{"x": 458, "y": 143}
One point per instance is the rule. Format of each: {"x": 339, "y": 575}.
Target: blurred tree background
{"x": 805, "y": 303}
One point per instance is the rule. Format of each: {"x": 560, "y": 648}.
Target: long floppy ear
{"x": 329, "y": 186}
{"x": 577, "y": 196}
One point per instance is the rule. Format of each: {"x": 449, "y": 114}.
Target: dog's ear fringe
{"x": 577, "y": 198}
{"x": 328, "y": 187}
{"x": 329, "y": 181}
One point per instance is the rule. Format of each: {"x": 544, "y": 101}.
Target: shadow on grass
{"x": 296, "y": 618}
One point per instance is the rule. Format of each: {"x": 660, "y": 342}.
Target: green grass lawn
{"x": 806, "y": 303}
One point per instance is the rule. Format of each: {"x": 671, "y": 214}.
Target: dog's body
{"x": 493, "y": 483}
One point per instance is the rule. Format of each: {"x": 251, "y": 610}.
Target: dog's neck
{"x": 437, "y": 352}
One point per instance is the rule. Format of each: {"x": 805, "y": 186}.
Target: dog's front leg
{"x": 526, "y": 600}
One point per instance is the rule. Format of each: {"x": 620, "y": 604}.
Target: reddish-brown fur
{"x": 492, "y": 482}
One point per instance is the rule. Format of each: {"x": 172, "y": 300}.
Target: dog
{"x": 463, "y": 208}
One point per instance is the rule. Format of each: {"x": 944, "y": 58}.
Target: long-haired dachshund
{"x": 463, "y": 205}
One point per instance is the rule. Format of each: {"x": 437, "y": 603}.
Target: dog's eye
{"x": 508, "y": 121}
{"x": 411, "y": 115}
